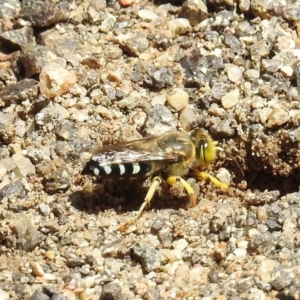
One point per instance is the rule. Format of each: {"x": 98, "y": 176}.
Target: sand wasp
{"x": 169, "y": 156}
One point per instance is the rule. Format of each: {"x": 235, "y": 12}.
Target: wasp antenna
{"x": 219, "y": 148}
{"x": 237, "y": 164}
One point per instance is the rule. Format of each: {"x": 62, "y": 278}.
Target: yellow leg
{"x": 173, "y": 179}
{"x": 154, "y": 185}
{"x": 205, "y": 176}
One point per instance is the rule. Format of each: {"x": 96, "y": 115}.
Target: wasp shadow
{"x": 125, "y": 196}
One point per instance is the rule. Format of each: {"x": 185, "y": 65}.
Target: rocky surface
{"x": 78, "y": 75}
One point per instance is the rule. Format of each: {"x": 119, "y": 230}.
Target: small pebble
{"x": 234, "y": 74}
{"x": 251, "y": 73}
{"x": 258, "y": 102}
{"x": 187, "y": 117}
{"x": 4, "y": 295}
{"x": 147, "y": 15}
{"x": 55, "y": 80}
{"x": 240, "y": 252}
{"x": 287, "y": 71}
{"x": 179, "y": 26}
{"x": 180, "y": 244}
{"x": 178, "y": 99}
{"x": 3, "y": 171}
{"x": 160, "y": 120}
{"x": 224, "y": 175}
{"x": 126, "y": 2}
{"x": 104, "y": 112}
{"x": 79, "y": 115}
{"x": 296, "y": 134}
{"x": 38, "y": 295}
{"x": 244, "y": 5}
{"x": 195, "y": 273}
{"x": 194, "y": 10}
{"x": 231, "y": 99}
{"x": 50, "y": 254}
{"x": 277, "y": 117}
{"x": 147, "y": 256}
{"x": 44, "y": 209}
{"x": 24, "y": 166}
{"x": 108, "y": 23}
{"x": 159, "y": 99}
{"x": 37, "y": 270}
{"x": 282, "y": 280}
{"x": 70, "y": 295}
{"x": 115, "y": 76}
{"x": 50, "y": 277}
{"x": 51, "y": 112}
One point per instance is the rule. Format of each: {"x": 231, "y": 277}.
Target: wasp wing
{"x": 118, "y": 154}
{"x": 143, "y": 151}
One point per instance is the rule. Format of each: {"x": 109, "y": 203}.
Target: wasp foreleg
{"x": 205, "y": 176}
{"x": 173, "y": 179}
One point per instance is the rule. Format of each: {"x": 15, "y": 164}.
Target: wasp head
{"x": 205, "y": 147}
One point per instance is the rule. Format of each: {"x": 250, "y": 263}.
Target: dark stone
{"x": 147, "y": 256}
{"x": 26, "y": 89}
{"x": 38, "y": 295}
{"x": 14, "y": 188}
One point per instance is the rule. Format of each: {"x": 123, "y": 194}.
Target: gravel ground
{"x": 78, "y": 75}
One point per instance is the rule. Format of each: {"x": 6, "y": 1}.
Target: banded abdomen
{"x": 119, "y": 170}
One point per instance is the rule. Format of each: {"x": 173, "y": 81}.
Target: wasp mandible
{"x": 170, "y": 156}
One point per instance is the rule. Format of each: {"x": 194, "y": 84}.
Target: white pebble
{"x": 243, "y": 244}
{"x": 49, "y": 276}
{"x": 147, "y": 15}
{"x": 179, "y": 26}
{"x": 235, "y": 74}
{"x": 178, "y": 99}
{"x": 265, "y": 269}
{"x": 231, "y": 98}
{"x": 287, "y": 71}
{"x": 80, "y": 115}
{"x": 296, "y": 133}
{"x": 159, "y": 99}
{"x": 252, "y": 73}
{"x": 3, "y": 295}
{"x": 180, "y": 244}
{"x": 224, "y": 175}
{"x": 240, "y": 252}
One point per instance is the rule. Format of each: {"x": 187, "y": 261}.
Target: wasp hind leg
{"x": 154, "y": 185}
{"x": 205, "y": 176}
{"x": 173, "y": 179}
